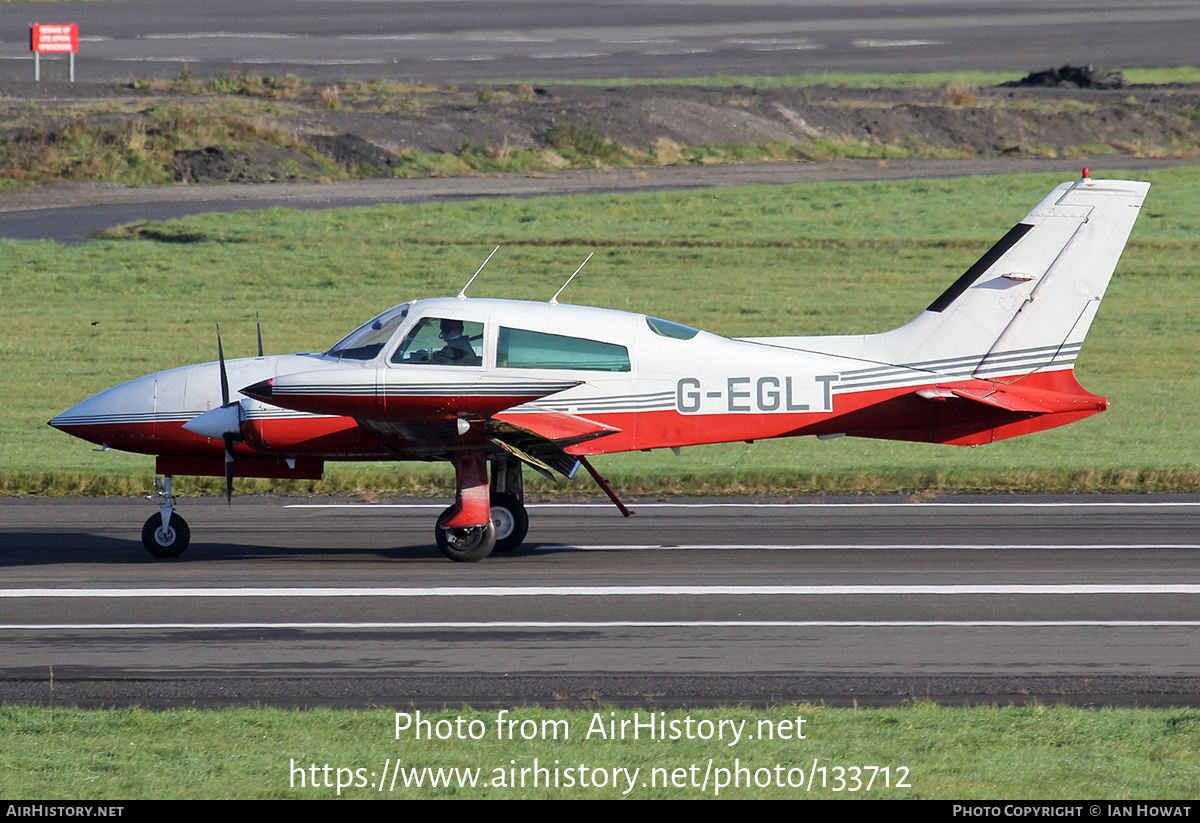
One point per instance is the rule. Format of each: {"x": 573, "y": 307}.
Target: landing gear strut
{"x": 165, "y": 534}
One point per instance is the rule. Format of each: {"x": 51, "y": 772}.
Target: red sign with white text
{"x": 58, "y": 38}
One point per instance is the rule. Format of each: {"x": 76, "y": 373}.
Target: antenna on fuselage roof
{"x": 554, "y": 299}
{"x": 462, "y": 295}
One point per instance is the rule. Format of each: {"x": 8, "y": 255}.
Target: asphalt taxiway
{"x": 72, "y": 212}
{"x": 1092, "y": 599}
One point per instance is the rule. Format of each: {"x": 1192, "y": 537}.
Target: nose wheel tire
{"x": 511, "y": 521}
{"x": 168, "y": 542}
{"x": 467, "y": 544}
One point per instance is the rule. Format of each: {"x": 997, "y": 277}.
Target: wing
{"x": 431, "y": 409}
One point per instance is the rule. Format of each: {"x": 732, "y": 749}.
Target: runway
{"x": 295, "y": 602}
{"x": 538, "y": 40}
{"x": 286, "y": 599}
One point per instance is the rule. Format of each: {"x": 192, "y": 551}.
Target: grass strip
{"x": 1030, "y": 752}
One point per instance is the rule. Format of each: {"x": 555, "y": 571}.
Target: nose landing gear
{"x": 165, "y": 534}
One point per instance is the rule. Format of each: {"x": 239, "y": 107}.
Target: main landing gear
{"x": 165, "y": 534}
{"x": 507, "y": 529}
{"x": 485, "y": 517}
{"x": 490, "y": 517}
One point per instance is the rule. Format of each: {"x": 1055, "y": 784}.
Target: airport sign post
{"x": 53, "y": 39}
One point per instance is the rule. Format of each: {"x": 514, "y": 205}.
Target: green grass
{"x": 801, "y": 259}
{"x": 1027, "y": 753}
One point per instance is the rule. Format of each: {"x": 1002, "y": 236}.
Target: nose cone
{"x": 263, "y": 390}
{"x": 218, "y": 423}
{"x": 122, "y": 417}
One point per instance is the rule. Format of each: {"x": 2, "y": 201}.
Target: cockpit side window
{"x": 521, "y": 349}
{"x": 442, "y": 341}
{"x": 365, "y": 342}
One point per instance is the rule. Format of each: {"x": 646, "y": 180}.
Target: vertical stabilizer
{"x": 1027, "y": 304}
{"x": 1024, "y": 307}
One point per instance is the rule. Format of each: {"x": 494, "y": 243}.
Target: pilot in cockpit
{"x": 458, "y": 340}
{"x": 458, "y": 349}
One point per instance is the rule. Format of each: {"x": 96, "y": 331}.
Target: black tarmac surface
{"x": 1084, "y": 600}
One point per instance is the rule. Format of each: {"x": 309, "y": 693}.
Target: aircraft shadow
{"x": 22, "y": 549}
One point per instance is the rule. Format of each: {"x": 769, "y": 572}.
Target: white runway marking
{"x": 569, "y": 55}
{"x": 171, "y": 59}
{"x": 609, "y": 591}
{"x": 300, "y": 61}
{"x": 895, "y": 44}
{"x": 628, "y": 624}
{"x": 237, "y": 35}
{"x": 386, "y": 37}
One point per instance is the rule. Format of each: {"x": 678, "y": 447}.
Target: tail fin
{"x": 1019, "y": 314}
{"x": 1027, "y": 304}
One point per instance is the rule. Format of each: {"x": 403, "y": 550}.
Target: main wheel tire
{"x": 511, "y": 521}
{"x": 465, "y": 545}
{"x": 168, "y": 542}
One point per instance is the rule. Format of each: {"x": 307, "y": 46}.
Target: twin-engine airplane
{"x": 505, "y": 384}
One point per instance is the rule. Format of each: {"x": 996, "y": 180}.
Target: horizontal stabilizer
{"x": 1016, "y": 398}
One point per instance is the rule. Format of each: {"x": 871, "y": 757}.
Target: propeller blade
{"x": 228, "y": 436}
{"x": 224, "y": 376}
{"x": 229, "y": 470}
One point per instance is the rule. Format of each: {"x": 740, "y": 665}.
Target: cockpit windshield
{"x": 365, "y": 342}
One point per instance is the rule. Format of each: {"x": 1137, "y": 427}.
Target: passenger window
{"x": 442, "y": 342}
{"x": 520, "y": 349}
{"x": 666, "y": 328}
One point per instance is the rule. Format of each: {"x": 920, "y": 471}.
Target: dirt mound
{"x": 263, "y": 163}
{"x": 818, "y": 122}
{"x": 380, "y": 130}
{"x": 355, "y": 154}
{"x": 1079, "y": 77}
